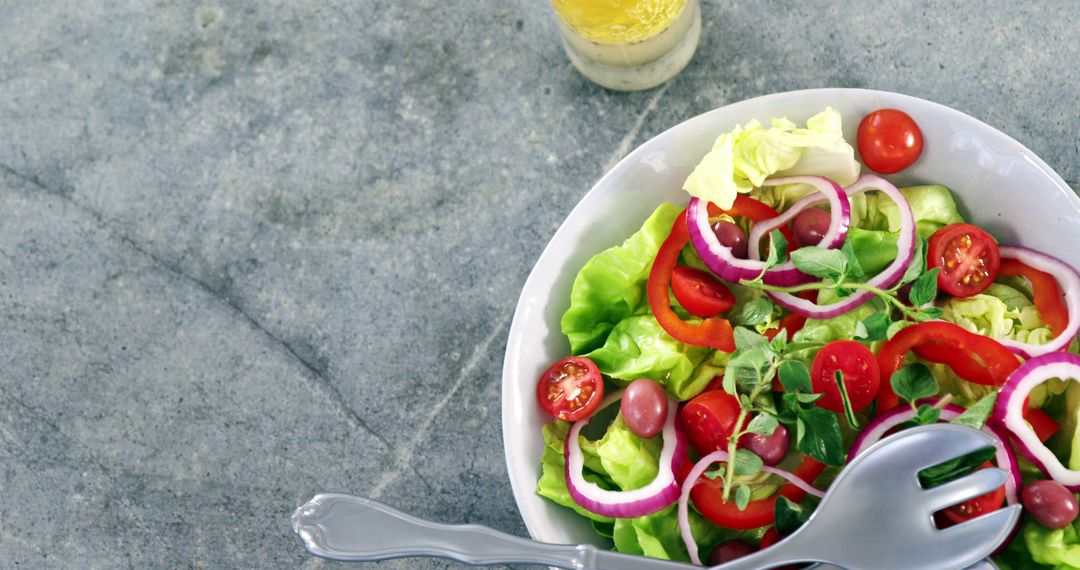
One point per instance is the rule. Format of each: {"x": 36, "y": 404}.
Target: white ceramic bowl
{"x": 1001, "y": 185}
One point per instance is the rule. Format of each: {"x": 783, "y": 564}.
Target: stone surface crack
{"x": 631, "y": 135}
{"x": 316, "y": 374}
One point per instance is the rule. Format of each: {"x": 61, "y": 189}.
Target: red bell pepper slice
{"x": 1049, "y": 299}
{"x": 962, "y": 364}
{"x": 713, "y": 332}
{"x": 997, "y": 360}
{"x": 707, "y": 496}
{"x": 1042, "y": 424}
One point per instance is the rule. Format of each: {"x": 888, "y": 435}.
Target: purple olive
{"x": 770, "y": 448}
{"x": 1050, "y": 504}
{"x": 729, "y": 550}
{"x": 644, "y": 407}
{"x": 811, "y": 225}
{"x": 732, "y": 236}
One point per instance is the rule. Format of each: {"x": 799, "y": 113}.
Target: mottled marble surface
{"x": 253, "y": 250}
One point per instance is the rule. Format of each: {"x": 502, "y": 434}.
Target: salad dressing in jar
{"x": 629, "y": 45}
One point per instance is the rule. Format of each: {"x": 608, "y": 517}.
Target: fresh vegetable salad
{"x": 729, "y": 358}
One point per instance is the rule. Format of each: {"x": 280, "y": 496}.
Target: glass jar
{"x": 629, "y": 45}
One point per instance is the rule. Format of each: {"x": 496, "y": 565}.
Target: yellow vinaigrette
{"x": 618, "y": 21}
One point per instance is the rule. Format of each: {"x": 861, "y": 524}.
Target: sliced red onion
{"x": 692, "y": 479}
{"x": 1009, "y": 411}
{"x": 1069, "y": 281}
{"x": 886, "y": 278}
{"x": 719, "y": 259}
{"x": 887, "y": 421}
{"x": 658, "y": 494}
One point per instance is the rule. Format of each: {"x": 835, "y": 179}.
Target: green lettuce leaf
{"x": 743, "y": 158}
{"x": 1058, "y": 549}
{"x": 638, "y": 347}
{"x": 990, "y": 315}
{"x": 552, "y": 483}
{"x": 837, "y": 328}
{"x": 611, "y": 286}
{"x": 933, "y": 207}
{"x": 875, "y": 249}
{"x": 628, "y": 460}
{"x": 657, "y": 535}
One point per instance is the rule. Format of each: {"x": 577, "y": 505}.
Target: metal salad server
{"x": 875, "y": 515}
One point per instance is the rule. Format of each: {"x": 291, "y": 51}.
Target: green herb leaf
{"x": 746, "y": 339}
{"x": 955, "y": 468}
{"x": 747, "y": 463}
{"x": 927, "y": 414}
{"x": 756, "y": 311}
{"x": 777, "y": 249}
{"x": 808, "y": 398}
{"x": 849, "y": 413}
{"x": 820, "y": 262}
{"x": 930, "y": 314}
{"x": 914, "y": 382}
{"x": 742, "y": 497}
{"x": 977, "y": 414}
{"x": 817, "y": 434}
{"x": 874, "y": 327}
{"x": 746, "y": 369}
{"x": 918, "y": 264}
{"x": 790, "y": 516}
{"x": 715, "y": 474}
{"x": 854, "y": 268}
{"x": 780, "y": 341}
{"x": 924, "y": 289}
{"x": 795, "y": 377}
{"x": 764, "y": 424}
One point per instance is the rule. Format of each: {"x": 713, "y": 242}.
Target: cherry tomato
{"x": 709, "y": 420}
{"x": 889, "y": 141}
{"x": 976, "y": 507}
{"x": 644, "y": 407}
{"x": 571, "y": 389}
{"x": 861, "y": 373}
{"x": 708, "y": 498}
{"x": 699, "y": 292}
{"x": 967, "y": 258}
{"x": 1050, "y": 504}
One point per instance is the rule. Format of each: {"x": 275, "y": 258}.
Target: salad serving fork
{"x": 875, "y": 515}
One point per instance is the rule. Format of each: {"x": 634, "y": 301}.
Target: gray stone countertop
{"x": 254, "y": 250}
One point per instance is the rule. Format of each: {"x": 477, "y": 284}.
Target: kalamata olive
{"x": 770, "y": 448}
{"x": 810, "y": 225}
{"x": 1050, "y": 504}
{"x": 729, "y": 550}
{"x": 644, "y": 407}
{"x": 732, "y": 236}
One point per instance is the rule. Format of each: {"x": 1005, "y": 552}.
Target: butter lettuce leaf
{"x": 552, "y": 483}
{"x": 611, "y": 286}
{"x": 743, "y": 158}
{"x": 933, "y": 207}
{"x": 638, "y": 347}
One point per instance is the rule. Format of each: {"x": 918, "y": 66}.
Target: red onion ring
{"x": 1009, "y": 412}
{"x": 881, "y": 425}
{"x": 1069, "y": 281}
{"x": 886, "y": 278}
{"x": 692, "y": 479}
{"x": 661, "y": 492}
{"x": 719, "y": 259}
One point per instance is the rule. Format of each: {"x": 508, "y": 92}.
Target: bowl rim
{"x": 593, "y": 193}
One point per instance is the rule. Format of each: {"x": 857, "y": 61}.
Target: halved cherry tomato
{"x": 1042, "y": 424}
{"x": 860, "y": 370}
{"x": 889, "y": 141}
{"x": 571, "y": 389}
{"x": 708, "y": 498}
{"x": 998, "y": 361}
{"x": 709, "y": 420}
{"x": 699, "y": 292}
{"x": 1046, "y": 292}
{"x": 967, "y": 258}
{"x": 976, "y": 507}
